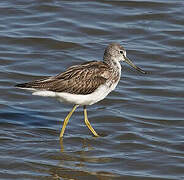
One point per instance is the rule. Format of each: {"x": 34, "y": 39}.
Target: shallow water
{"x": 141, "y": 123}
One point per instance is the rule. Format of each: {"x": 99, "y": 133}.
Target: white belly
{"x": 100, "y": 93}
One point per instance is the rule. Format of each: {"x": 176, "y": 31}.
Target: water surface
{"x": 141, "y": 123}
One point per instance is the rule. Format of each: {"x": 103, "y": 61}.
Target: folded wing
{"x": 79, "y": 79}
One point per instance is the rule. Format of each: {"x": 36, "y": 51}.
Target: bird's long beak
{"x": 133, "y": 65}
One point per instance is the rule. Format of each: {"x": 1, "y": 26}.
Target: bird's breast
{"x": 113, "y": 80}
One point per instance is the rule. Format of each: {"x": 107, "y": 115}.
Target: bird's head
{"x": 115, "y": 52}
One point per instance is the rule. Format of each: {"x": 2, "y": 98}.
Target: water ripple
{"x": 140, "y": 123}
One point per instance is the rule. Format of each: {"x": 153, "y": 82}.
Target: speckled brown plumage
{"x": 78, "y": 79}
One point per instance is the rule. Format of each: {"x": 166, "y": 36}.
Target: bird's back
{"x": 77, "y": 79}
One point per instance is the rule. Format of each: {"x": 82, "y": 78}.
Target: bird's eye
{"x": 121, "y": 52}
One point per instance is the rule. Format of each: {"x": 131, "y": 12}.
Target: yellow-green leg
{"x": 88, "y": 123}
{"x": 67, "y": 119}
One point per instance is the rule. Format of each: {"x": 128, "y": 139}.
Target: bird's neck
{"x": 114, "y": 64}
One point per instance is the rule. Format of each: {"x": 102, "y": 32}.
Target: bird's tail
{"x": 23, "y": 85}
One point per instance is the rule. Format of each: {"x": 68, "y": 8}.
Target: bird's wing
{"x": 79, "y": 79}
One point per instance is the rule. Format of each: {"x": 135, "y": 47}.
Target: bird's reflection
{"x": 77, "y": 158}
{"x": 61, "y": 145}
{"x": 85, "y": 145}
{"x": 73, "y": 163}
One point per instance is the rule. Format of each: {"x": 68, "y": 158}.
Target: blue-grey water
{"x": 141, "y": 123}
